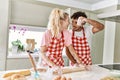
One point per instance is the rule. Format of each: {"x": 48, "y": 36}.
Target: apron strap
{"x": 73, "y": 32}
{"x": 62, "y": 34}
{"x": 83, "y": 32}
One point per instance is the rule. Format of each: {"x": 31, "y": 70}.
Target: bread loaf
{"x": 21, "y": 72}
{"x": 110, "y": 78}
{"x": 61, "y": 78}
{"x": 18, "y": 77}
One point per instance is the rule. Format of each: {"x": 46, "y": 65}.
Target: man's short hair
{"x": 76, "y": 15}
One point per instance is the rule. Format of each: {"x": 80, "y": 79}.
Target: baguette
{"x": 21, "y": 72}
{"x": 110, "y": 78}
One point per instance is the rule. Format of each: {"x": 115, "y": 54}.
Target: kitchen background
{"x": 27, "y": 20}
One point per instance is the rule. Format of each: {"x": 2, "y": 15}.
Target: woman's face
{"x": 65, "y": 23}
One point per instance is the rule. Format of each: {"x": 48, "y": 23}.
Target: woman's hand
{"x": 57, "y": 70}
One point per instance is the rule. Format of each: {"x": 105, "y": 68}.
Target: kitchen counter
{"x": 96, "y": 73}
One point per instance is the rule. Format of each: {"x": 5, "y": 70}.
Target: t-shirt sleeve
{"x": 91, "y": 27}
{"x": 67, "y": 37}
{"x": 44, "y": 40}
{"x": 88, "y": 29}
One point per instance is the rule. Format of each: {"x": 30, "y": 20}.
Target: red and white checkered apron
{"x": 82, "y": 48}
{"x": 54, "y": 52}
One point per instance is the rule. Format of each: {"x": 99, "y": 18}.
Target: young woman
{"x": 55, "y": 38}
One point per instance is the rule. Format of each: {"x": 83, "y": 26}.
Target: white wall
{"x": 109, "y": 42}
{"x": 29, "y": 13}
{"x": 117, "y": 44}
{"x": 97, "y": 43}
{"x": 4, "y": 10}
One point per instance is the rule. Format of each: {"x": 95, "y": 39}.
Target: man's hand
{"x": 87, "y": 67}
{"x": 81, "y": 21}
{"x": 80, "y": 65}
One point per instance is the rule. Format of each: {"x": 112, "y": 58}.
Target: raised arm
{"x": 97, "y": 26}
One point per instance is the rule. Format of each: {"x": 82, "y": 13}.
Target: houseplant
{"x": 18, "y": 46}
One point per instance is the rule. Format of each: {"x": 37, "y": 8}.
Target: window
{"x": 23, "y": 33}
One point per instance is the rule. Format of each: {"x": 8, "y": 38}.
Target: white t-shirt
{"x": 88, "y": 34}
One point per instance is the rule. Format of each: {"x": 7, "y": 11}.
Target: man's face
{"x": 74, "y": 25}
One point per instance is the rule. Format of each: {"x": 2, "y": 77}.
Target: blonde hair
{"x": 54, "y": 20}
